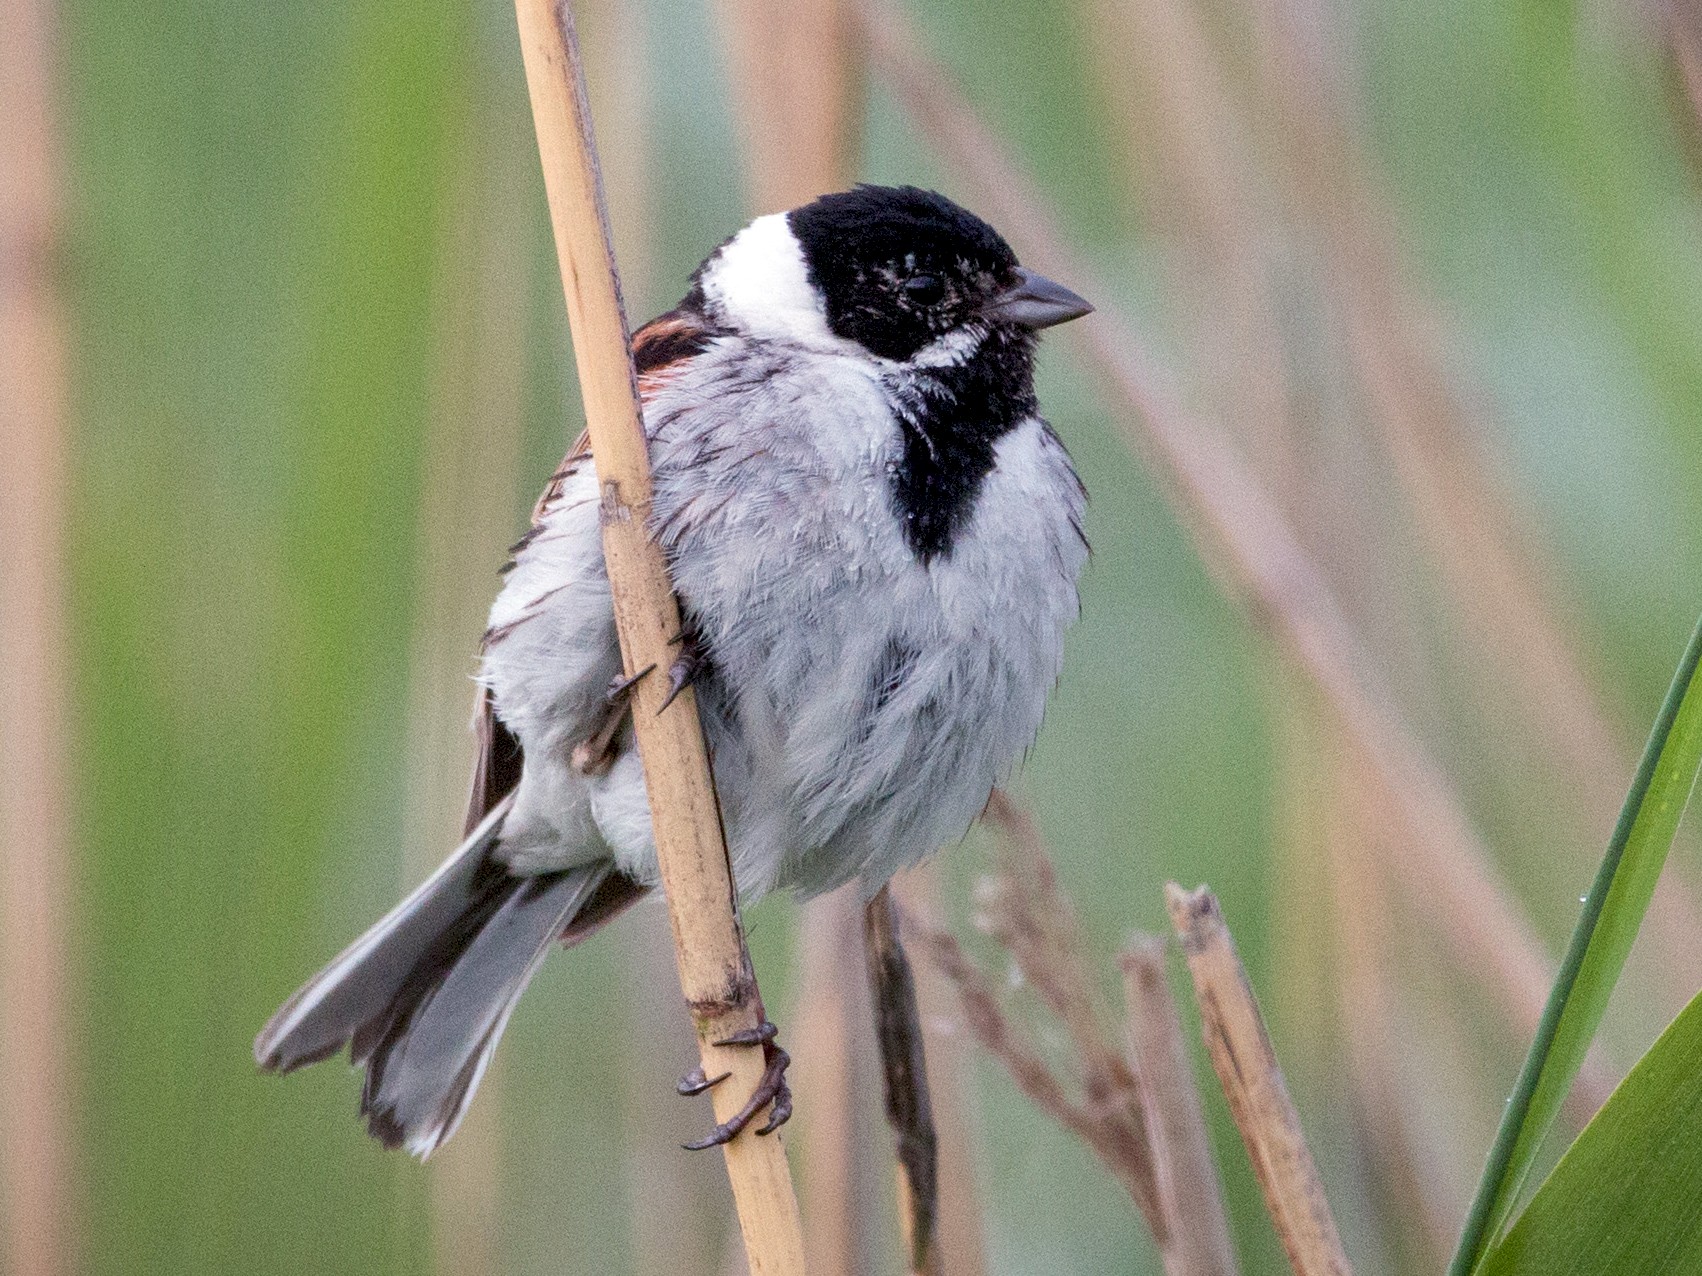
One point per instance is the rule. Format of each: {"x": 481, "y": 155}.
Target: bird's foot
{"x": 596, "y": 754}
{"x": 771, "y": 1088}
{"x": 687, "y": 665}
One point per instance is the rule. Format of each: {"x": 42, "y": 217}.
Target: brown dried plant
{"x": 1149, "y": 1136}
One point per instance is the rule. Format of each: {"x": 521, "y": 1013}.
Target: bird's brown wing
{"x": 660, "y": 349}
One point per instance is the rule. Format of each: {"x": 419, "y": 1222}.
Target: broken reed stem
{"x": 1252, "y": 1081}
{"x": 1189, "y": 1192}
{"x": 904, "y": 1077}
{"x": 715, "y": 973}
{"x": 1241, "y": 532}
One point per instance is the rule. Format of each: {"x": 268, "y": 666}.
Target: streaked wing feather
{"x": 659, "y": 349}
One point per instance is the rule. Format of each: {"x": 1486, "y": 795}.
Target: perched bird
{"x": 875, "y": 540}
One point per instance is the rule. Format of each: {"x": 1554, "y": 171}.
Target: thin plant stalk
{"x": 961, "y": 1245}
{"x": 1387, "y": 1095}
{"x": 715, "y": 972}
{"x": 830, "y": 1055}
{"x": 797, "y": 81}
{"x": 36, "y": 1136}
{"x": 1240, "y": 1050}
{"x": 909, "y": 1108}
{"x": 1189, "y": 1190}
{"x": 1241, "y": 533}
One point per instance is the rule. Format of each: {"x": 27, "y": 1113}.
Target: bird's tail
{"x": 424, "y": 995}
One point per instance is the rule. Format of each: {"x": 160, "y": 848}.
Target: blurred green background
{"x": 318, "y": 370}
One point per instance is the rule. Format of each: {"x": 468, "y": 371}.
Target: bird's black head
{"x": 930, "y": 291}
{"x": 899, "y": 268}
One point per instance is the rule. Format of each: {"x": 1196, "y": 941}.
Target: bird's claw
{"x": 760, "y": 1035}
{"x": 621, "y": 685}
{"x": 770, "y": 1089}
{"x": 697, "y": 1081}
{"x": 686, "y": 667}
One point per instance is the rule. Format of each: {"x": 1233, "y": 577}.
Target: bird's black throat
{"x": 951, "y": 419}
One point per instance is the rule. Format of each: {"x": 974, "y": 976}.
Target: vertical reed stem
{"x": 909, "y": 1110}
{"x": 715, "y": 972}
{"x": 35, "y": 834}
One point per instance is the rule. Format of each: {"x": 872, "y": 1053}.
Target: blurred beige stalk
{"x": 1468, "y": 519}
{"x": 1420, "y": 1164}
{"x": 1189, "y": 1191}
{"x": 467, "y": 509}
{"x": 36, "y": 1135}
{"x": 1684, "y": 28}
{"x": 1448, "y": 875}
{"x": 798, "y": 87}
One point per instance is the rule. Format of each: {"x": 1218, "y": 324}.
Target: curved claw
{"x": 687, "y": 665}
{"x": 772, "y": 1088}
{"x": 696, "y": 1082}
{"x": 620, "y": 686}
{"x": 760, "y": 1035}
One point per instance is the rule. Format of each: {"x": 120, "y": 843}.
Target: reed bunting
{"x": 875, "y": 539}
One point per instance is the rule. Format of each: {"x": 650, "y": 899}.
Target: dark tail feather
{"x": 424, "y": 995}
{"x": 422, "y": 1070}
{"x": 356, "y": 989}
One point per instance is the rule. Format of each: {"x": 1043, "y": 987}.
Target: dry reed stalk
{"x": 715, "y": 972}
{"x": 36, "y": 1136}
{"x": 1023, "y": 909}
{"x": 1108, "y": 1127}
{"x": 829, "y": 1056}
{"x": 1240, "y": 1050}
{"x": 909, "y": 1108}
{"x": 961, "y": 1246}
{"x": 1188, "y": 154}
{"x": 615, "y": 45}
{"x": 1242, "y": 534}
{"x": 1189, "y": 1192}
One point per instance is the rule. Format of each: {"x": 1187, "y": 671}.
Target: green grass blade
{"x": 1612, "y": 913}
{"x": 1623, "y": 1199}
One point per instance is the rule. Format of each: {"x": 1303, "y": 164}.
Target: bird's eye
{"x": 924, "y": 290}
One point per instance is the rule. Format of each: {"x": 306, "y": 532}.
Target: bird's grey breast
{"x": 863, "y": 699}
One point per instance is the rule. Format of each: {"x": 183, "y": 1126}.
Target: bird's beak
{"x": 1034, "y": 301}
